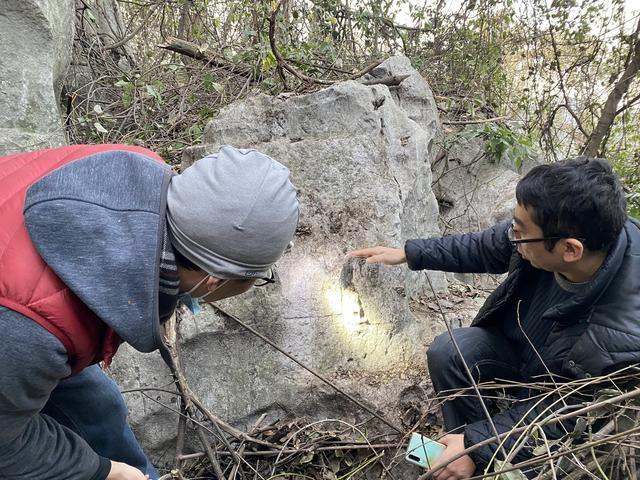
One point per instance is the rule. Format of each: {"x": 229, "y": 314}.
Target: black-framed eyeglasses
{"x": 511, "y": 235}
{"x": 261, "y": 282}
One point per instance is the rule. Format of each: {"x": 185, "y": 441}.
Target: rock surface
{"x": 473, "y": 191}
{"x": 35, "y": 48}
{"x": 361, "y": 157}
{"x": 362, "y": 168}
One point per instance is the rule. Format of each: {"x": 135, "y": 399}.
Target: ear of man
{"x": 572, "y": 250}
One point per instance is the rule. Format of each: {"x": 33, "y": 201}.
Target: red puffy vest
{"x": 27, "y": 284}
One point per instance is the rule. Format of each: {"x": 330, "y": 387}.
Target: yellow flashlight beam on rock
{"x": 345, "y": 304}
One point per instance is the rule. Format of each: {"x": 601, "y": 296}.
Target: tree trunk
{"x": 101, "y": 21}
{"x": 597, "y": 137}
{"x": 184, "y": 25}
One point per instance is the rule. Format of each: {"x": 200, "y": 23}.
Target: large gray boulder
{"x": 362, "y": 168}
{"x": 413, "y": 94}
{"x": 35, "y": 48}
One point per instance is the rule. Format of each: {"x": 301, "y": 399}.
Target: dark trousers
{"x": 489, "y": 355}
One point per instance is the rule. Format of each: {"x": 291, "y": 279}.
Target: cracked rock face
{"x": 361, "y": 163}
{"x": 474, "y": 191}
{"x": 35, "y": 48}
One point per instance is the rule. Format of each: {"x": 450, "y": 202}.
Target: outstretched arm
{"x": 488, "y": 251}
{"x": 384, "y": 255}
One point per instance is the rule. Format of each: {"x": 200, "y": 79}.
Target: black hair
{"x": 184, "y": 262}
{"x": 578, "y": 198}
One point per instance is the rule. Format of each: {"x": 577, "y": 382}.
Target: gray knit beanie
{"x": 232, "y": 213}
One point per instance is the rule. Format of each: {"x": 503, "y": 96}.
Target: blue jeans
{"x": 91, "y": 405}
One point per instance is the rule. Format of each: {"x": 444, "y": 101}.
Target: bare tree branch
{"x": 299, "y": 75}
{"x": 124, "y": 40}
{"x": 628, "y": 105}
{"x": 475, "y": 122}
{"x": 198, "y": 53}
{"x": 609, "y": 111}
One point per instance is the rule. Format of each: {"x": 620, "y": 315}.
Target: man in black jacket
{"x": 568, "y": 309}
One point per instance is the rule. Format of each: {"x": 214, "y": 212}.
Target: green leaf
{"x": 306, "y": 458}
{"x": 99, "y": 128}
{"x": 545, "y": 447}
{"x": 247, "y": 34}
{"x": 152, "y": 92}
{"x": 269, "y": 62}
{"x": 328, "y": 475}
{"x": 210, "y": 85}
{"x": 512, "y": 475}
{"x": 606, "y": 393}
{"x": 196, "y": 133}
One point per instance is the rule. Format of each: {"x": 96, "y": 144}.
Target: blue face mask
{"x": 193, "y": 303}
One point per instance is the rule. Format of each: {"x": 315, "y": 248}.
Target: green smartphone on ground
{"x": 423, "y": 451}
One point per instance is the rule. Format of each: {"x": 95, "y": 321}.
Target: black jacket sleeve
{"x": 488, "y": 251}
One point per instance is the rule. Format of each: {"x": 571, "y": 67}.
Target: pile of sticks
{"x": 332, "y": 449}
{"x": 329, "y": 449}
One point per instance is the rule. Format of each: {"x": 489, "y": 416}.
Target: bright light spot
{"x": 344, "y": 304}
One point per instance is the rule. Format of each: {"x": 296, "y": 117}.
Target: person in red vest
{"x": 98, "y": 244}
